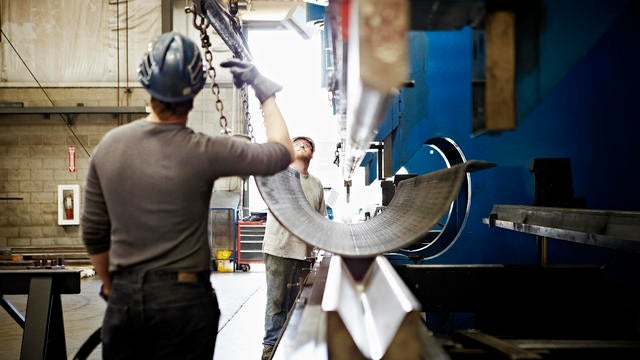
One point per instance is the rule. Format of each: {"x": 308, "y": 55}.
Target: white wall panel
{"x": 76, "y": 41}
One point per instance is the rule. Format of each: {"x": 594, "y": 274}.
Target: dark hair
{"x": 165, "y": 110}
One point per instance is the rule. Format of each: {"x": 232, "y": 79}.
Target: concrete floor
{"x": 241, "y": 296}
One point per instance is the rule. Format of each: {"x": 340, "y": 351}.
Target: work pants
{"x": 280, "y": 297}
{"x": 160, "y": 315}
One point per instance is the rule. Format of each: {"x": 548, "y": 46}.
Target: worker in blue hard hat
{"x": 147, "y": 195}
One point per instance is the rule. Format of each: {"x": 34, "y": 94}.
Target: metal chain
{"x": 201, "y": 24}
{"x": 247, "y": 115}
{"x": 243, "y": 91}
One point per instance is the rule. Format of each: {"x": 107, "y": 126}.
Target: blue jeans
{"x": 280, "y": 272}
{"x": 153, "y": 315}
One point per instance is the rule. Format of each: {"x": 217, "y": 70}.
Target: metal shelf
{"x": 74, "y": 110}
{"x": 611, "y": 229}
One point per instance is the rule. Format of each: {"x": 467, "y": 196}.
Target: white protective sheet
{"x": 81, "y": 42}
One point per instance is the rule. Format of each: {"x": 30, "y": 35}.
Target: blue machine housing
{"x": 577, "y": 79}
{"x": 576, "y": 89}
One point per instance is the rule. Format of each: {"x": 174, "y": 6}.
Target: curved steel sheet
{"x": 418, "y": 204}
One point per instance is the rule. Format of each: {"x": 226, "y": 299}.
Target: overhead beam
{"x": 446, "y": 15}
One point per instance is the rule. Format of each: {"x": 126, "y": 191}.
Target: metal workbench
{"x": 43, "y": 324}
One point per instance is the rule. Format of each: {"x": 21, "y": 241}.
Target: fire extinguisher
{"x": 68, "y": 207}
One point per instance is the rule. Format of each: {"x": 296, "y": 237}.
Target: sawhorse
{"x": 43, "y": 336}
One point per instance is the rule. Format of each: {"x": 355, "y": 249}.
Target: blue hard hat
{"x": 172, "y": 69}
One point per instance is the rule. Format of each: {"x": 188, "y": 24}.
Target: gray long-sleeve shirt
{"x": 148, "y": 189}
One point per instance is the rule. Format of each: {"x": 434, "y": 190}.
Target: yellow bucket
{"x": 222, "y": 261}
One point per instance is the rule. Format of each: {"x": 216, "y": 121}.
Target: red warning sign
{"x": 72, "y": 158}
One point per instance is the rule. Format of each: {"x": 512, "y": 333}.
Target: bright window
{"x": 294, "y": 62}
{"x": 286, "y": 58}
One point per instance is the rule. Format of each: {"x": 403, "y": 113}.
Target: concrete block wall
{"x": 34, "y": 148}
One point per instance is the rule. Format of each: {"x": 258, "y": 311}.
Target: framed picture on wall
{"x": 68, "y": 204}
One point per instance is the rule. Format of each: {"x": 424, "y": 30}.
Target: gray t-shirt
{"x": 148, "y": 189}
{"x": 279, "y": 241}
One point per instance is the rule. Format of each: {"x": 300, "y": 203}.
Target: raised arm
{"x": 275, "y": 125}
{"x": 246, "y": 73}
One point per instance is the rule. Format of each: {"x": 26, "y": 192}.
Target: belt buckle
{"x": 187, "y": 277}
